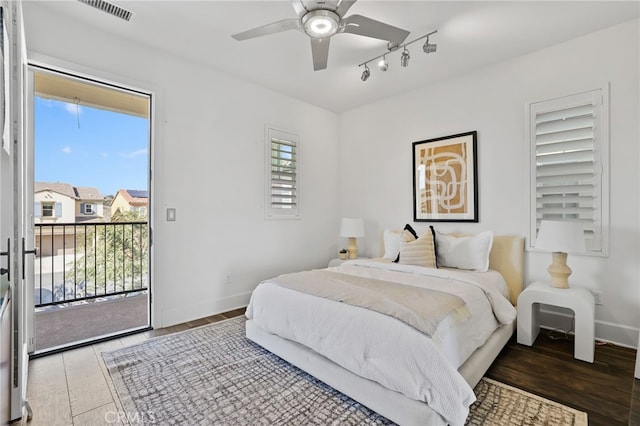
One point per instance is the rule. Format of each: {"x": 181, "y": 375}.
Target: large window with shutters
{"x": 282, "y": 182}
{"x": 569, "y": 146}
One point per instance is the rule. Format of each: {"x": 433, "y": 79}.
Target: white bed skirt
{"x": 390, "y": 404}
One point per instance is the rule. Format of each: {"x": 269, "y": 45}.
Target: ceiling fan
{"x": 322, "y": 19}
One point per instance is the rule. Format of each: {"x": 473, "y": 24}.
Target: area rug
{"x": 500, "y": 404}
{"x": 214, "y": 375}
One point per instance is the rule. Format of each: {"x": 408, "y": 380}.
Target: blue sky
{"x": 87, "y": 146}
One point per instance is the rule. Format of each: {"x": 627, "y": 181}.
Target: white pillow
{"x": 464, "y": 252}
{"x": 420, "y": 252}
{"x": 392, "y": 240}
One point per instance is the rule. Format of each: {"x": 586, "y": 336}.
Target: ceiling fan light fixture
{"x": 366, "y": 73}
{"x": 383, "y": 64}
{"x": 320, "y": 23}
{"x": 404, "y": 59}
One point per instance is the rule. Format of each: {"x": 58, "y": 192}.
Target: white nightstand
{"x": 579, "y": 300}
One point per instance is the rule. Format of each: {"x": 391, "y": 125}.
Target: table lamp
{"x": 352, "y": 229}
{"x": 560, "y": 238}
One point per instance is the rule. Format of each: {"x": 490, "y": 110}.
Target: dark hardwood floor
{"x": 604, "y": 389}
{"x": 196, "y": 323}
{"x": 634, "y": 414}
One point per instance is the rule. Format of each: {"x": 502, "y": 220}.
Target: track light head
{"x": 383, "y": 64}
{"x": 404, "y": 59}
{"x": 366, "y": 73}
{"x": 428, "y": 47}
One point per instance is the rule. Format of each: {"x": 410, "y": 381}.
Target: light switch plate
{"x": 171, "y": 215}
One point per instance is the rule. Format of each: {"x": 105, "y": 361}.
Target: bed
{"x": 385, "y": 364}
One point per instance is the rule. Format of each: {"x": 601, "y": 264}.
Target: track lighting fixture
{"x": 404, "y": 59}
{"x": 383, "y": 64}
{"x": 366, "y": 73}
{"x": 428, "y": 47}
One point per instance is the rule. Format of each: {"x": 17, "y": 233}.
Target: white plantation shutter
{"x": 283, "y": 174}
{"x": 569, "y": 164}
{"x": 282, "y": 191}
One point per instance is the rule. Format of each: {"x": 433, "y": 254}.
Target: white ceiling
{"x": 470, "y": 35}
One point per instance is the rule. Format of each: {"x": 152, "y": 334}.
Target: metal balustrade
{"x": 88, "y": 261}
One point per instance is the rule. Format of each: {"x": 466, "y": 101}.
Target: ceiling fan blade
{"x": 272, "y": 28}
{"x": 320, "y": 52}
{"x": 361, "y": 25}
{"x": 299, "y": 7}
{"x": 344, "y": 6}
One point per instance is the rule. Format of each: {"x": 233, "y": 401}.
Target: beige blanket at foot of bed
{"x": 420, "y": 308}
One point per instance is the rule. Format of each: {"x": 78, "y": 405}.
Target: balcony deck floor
{"x": 59, "y": 326}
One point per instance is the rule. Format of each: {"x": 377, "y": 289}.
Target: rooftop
{"x": 76, "y": 192}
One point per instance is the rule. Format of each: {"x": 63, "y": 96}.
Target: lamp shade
{"x": 350, "y": 227}
{"x": 560, "y": 236}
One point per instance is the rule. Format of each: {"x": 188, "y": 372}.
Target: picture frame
{"x": 445, "y": 179}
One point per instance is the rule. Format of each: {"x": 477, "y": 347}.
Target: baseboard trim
{"x": 178, "y": 315}
{"x": 621, "y": 335}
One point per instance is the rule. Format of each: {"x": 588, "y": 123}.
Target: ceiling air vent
{"x": 110, "y": 8}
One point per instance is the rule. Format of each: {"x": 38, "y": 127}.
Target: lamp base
{"x": 352, "y": 248}
{"x": 559, "y": 270}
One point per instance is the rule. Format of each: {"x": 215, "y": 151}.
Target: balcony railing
{"x": 84, "y": 261}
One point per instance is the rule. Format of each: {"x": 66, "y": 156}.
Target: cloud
{"x": 73, "y": 108}
{"x": 104, "y": 154}
{"x": 66, "y": 149}
{"x": 134, "y": 154}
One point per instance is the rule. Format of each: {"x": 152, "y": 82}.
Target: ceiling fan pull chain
{"x": 76, "y": 100}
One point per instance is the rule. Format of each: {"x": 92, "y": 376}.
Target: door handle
{"x": 24, "y": 253}
{"x": 8, "y": 254}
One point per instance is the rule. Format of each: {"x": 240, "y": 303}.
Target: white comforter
{"x": 382, "y": 348}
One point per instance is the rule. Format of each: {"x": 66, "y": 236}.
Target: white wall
{"x": 376, "y": 167}
{"x": 208, "y": 163}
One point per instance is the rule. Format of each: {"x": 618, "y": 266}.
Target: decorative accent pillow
{"x": 392, "y": 240}
{"x": 420, "y": 252}
{"x": 408, "y": 228}
{"x": 470, "y": 253}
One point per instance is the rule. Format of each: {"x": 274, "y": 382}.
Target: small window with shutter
{"x": 282, "y": 184}
{"x": 47, "y": 209}
{"x": 569, "y": 145}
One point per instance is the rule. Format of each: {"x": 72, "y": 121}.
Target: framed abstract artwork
{"x": 445, "y": 179}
